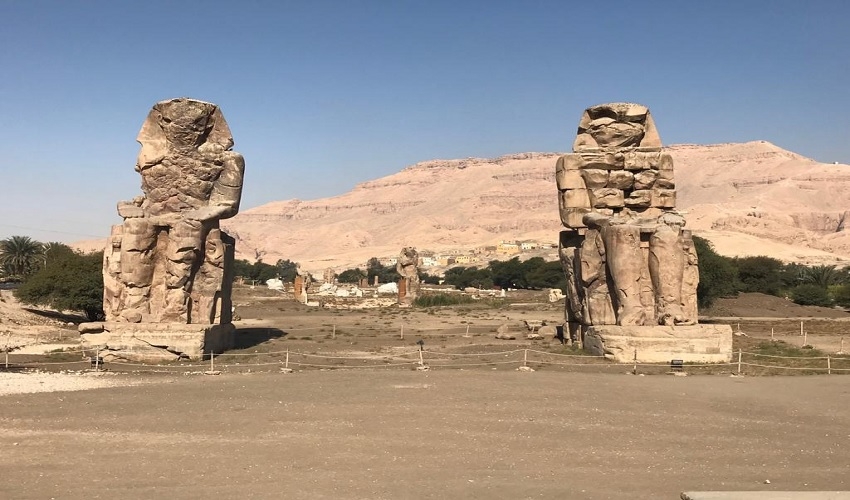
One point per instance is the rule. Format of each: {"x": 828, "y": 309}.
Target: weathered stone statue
{"x": 408, "y": 267}
{"x": 628, "y": 260}
{"x": 169, "y": 263}
{"x": 301, "y": 284}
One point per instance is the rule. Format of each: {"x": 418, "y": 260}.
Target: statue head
{"x": 181, "y": 124}
{"x": 616, "y": 125}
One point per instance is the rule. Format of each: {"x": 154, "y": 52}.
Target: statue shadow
{"x": 64, "y": 317}
{"x": 249, "y": 337}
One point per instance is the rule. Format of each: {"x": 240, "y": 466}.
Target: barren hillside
{"x": 749, "y": 199}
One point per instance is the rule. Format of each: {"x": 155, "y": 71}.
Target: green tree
{"x": 463, "y": 277}
{"x": 286, "y": 269}
{"x": 717, "y": 274}
{"x": 809, "y": 294}
{"x": 760, "y": 274}
{"x": 841, "y": 294}
{"x": 509, "y": 273}
{"x": 257, "y": 271}
{"x": 547, "y": 275}
{"x": 20, "y": 255}
{"x": 385, "y": 274}
{"x": 71, "y": 281}
{"x": 351, "y": 276}
{"x": 822, "y": 276}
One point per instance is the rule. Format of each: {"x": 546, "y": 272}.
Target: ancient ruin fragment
{"x": 408, "y": 268}
{"x": 628, "y": 260}
{"x": 169, "y": 265}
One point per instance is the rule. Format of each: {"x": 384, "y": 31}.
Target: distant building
{"x": 463, "y": 259}
{"x": 428, "y": 261}
{"x": 528, "y": 245}
{"x": 508, "y": 248}
{"x": 446, "y": 260}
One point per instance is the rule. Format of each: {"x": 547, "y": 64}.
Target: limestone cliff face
{"x": 750, "y": 198}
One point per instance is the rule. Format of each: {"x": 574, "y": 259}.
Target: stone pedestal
{"x": 156, "y": 342}
{"x": 661, "y": 344}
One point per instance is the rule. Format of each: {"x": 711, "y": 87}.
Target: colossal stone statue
{"x": 408, "y": 267}
{"x": 169, "y": 263}
{"x": 627, "y": 258}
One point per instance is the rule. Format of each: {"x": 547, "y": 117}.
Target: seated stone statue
{"x": 627, "y": 258}
{"x": 169, "y": 262}
{"x": 407, "y": 267}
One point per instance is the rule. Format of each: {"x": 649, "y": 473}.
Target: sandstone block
{"x": 664, "y": 198}
{"x": 620, "y": 179}
{"x": 569, "y": 179}
{"x": 664, "y": 184}
{"x": 606, "y": 198}
{"x": 637, "y": 160}
{"x": 595, "y": 178}
{"x": 602, "y": 160}
{"x": 156, "y": 342}
{"x": 661, "y": 344}
{"x": 639, "y": 198}
{"x": 665, "y": 162}
{"x": 645, "y": 179}
{"x": 575, "y": 198}
{"x": 572, "y": 217}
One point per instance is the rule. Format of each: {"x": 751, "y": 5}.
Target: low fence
{"x": 742, "y": 363}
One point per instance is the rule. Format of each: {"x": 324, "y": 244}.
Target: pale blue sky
{"x": 321, "y": 95}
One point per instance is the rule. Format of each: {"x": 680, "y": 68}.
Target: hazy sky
{"x": 323, "y": 95}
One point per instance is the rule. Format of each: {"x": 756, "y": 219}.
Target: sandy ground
{"x": 403, "y": 434}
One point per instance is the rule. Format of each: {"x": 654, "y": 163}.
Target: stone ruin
{"x": 329, "y": 275}
{"x": 301, "y": 284}
{"x": 632, "y": 269}
{"x": 167, "y": 269}
{"x": 408, "y": 267}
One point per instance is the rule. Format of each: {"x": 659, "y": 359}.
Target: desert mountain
{"x": 748, "y": 199}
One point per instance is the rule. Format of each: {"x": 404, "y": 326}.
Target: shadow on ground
{"x": 64, "y": 317}
{"x": 249, "y": 337}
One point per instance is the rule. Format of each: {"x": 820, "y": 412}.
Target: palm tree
{"x": 20, "y": 255}
{"x": 822, "y": 276}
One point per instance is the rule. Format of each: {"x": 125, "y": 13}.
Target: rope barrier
{"x": 789, "y": 357}
{"x": 566, "y": 355}
{"x": 473, "y": 354}
{"x": 353, "y": 366}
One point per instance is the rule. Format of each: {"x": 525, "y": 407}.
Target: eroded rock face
{"x": 408, "y": 267}
{"x": 169, "y": 262}
{"x": 627, "y": 258}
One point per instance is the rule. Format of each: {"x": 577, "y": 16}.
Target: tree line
{"x": 54, "y": 275}
{"x": 720, "y": 276}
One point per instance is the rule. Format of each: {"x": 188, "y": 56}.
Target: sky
{"x": 322, "y": 95}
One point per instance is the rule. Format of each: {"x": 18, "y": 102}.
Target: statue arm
{"x": 227, "y": 191}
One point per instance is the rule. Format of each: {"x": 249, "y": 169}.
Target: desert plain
{"x": 355, "y": 419}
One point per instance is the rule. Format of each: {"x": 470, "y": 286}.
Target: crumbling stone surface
{"x": 628, "y": 259}
{"x": 169, "y": 262}
{"x": 408, "y": 267}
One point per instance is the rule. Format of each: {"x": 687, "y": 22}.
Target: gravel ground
{"x": 29, "y": 383}
{"x": 477, "y": 434}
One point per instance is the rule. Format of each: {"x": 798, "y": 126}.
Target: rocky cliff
{"x": 748, "y": 199}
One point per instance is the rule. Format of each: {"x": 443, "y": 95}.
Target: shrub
{"x": 442, "y": 300}
{"x": 810, "y": 295}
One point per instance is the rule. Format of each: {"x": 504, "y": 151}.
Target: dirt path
{"x": 454, "y": 434}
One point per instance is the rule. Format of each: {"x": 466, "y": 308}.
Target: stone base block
{"x": 155, "y": 342}
{"x": 661, "y": 344}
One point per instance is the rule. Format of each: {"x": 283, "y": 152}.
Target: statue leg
{"x": 138, "y": 240}
{"x": 184, "y": 251}
{"x": 666, "y": 267}
{"x": 625, "y": 260}
{"x": 598, "y": 304}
